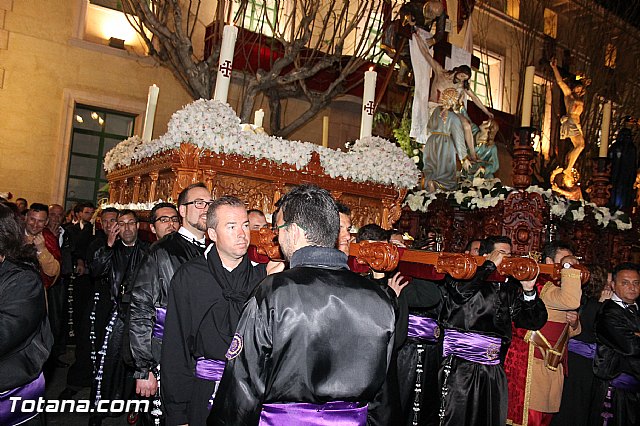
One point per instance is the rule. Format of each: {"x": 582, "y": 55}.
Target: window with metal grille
{"x": 95, "y": 132}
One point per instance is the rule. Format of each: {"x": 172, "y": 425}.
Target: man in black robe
{"x": 420, "y": 353}
{"x": 206, "y": 298}
{"x": 314, "y": 342}
{"x": 85, "y": 305}
{"x": 114, "y": 263}
{"x": 616, "y": 364}
{"x": 476, "y": 318}
{"x": 151, "y": 286}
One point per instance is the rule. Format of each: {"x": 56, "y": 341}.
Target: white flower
{"x": 558, "y": 210}
{"x": 578, "y": 215}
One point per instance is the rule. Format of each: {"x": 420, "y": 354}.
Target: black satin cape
{"x": 618, "y": 352}
{"x": 314, "y": 333}
{"x": 205, "y": 303}
{"x": 477, "y": 393}
{"x": 150, "y": 288}
{"x": 421, "y": 298}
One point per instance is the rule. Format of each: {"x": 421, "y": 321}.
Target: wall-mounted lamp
{"x": 118, "y": 43}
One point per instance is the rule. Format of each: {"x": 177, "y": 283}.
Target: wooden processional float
{"x": 386, "y": 257}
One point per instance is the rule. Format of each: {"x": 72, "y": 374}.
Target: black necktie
{"x": 633, "y": 309}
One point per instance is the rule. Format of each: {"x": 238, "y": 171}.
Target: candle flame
{"x": 371, "y": 68}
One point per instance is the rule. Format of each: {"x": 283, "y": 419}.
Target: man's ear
{"x": 182, "y": 210}
{"x": 212, "y": 234}
{"x": 153, "y": 228}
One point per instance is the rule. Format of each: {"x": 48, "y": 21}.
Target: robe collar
{"x": 322, "y": 257}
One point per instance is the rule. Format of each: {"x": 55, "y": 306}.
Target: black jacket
{"x": 489, "y": 308}
{"x": 25, "y": 337}
{"x": 150, "y": 290}
{"x": 314, "y": 333}
{"x": 115, "y": 264}
{"x": 618, "y": 344}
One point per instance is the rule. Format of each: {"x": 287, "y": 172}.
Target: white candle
{"x": 149, "y": 116}
{"x": 258, "y": 117}
{"x": 225, "y": 64}
{"x": 527, "y": 98}
{"x": 325, "y": 131}
{"x": 604, "y": 132}
{"x": 368, "y": 102}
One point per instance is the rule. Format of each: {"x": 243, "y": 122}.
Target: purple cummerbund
{"x": 587, "y": 350}
{"x": 158, "y": 327}
{"x": 31, "y": 391}
{"x": 473, "y": 347}
{"x": 626, "y": 382}
{"x": 423, "y": 328}
{"x": 209, "y": 369}
{"x": 331, "y": 413}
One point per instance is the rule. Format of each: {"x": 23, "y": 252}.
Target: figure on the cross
{"x": 570, "y": 123}
{"x": 458, "y": 79}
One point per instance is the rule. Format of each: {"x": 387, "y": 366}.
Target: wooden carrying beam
{"x": 386, "y": 257}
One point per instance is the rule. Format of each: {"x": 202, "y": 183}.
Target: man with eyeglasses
{"x": 114, "y": 263}
{"x": 164, "y": 219}
{"x": 151, "y": 287}
{"x": 206, "y": 297}
{"x": 314, "y": 342}
{"x": 616, "y": 388}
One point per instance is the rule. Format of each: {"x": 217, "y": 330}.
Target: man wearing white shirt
{"x": 617, "y": 362}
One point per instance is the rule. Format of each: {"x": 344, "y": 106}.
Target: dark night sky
{"x": 629, "y": 10}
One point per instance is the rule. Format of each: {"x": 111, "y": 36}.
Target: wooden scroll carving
{"x": 385, "y": 257}
{"x": 584, "y": 272}
{"x": 459, "y": 266}
{"x": 266, "y": 243}
{"x": 380, "y": 256}
{"x": 521, "y": 268}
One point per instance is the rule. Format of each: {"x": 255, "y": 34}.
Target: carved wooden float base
{"x": 260, "y": 183}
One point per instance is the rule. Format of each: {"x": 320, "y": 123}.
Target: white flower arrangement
{"x": 214, "y": 125}
{"x": 131, "y": 206}
{"x": 371, "y": 159}
{"x": 485, "y": 193}
{"x": 479, "y": 194}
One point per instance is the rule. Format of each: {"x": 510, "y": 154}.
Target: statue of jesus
{"x": 570, "y": 124}
{"x": 458, "y": 79}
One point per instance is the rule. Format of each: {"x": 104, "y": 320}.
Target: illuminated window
{"x": 550, "y": 23}
{"x": 513, "y": 8}
{"x": 259, "y": 16}
{"x": 374, "y": 37}
{"x": 109, "y": 4}
{"x": 610, "y": 56}
{"x": 95, "y": 132}
{"x": 486, "y": 82}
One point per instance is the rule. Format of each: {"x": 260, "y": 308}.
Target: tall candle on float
{"x": 225, "y": 65}
{"x": 149, "y": 115}
{"x": 604, "y": 132}
{"x": 258, "y": 118}
{"x": 325, "y": 131}
{"x": 368, "y": 103}
{"x": 527, "y": 98}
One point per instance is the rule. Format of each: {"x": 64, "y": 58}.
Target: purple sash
{"x": 209, "y": 369}
{"x": 423, "y": 328}
{"x": 587, "y": 350}
{"x": 158, "y": 327}
{"x": 626, "y": 382}
{"x": 31, "y": 391}
{"x": 331, "y": 413}
{"x": 473, "y": 347}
